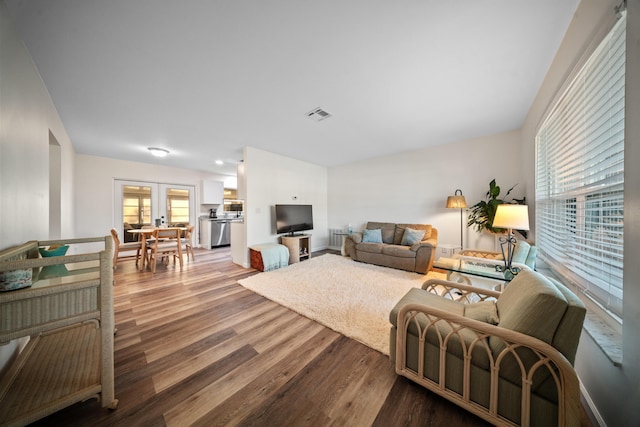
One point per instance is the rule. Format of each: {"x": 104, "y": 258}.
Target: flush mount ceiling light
{"x": 318, "y": 114}
{"x": 158, "y": 152}
{"x": 219, "y": 162}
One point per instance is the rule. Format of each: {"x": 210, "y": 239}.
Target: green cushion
{"x": 442, "y": 329}
{"x": 531, "y": 258}
{"x": 532, "y": 305}
{"x": 567, "y": 335}
{"x": 484, "y": 311}
{"x": 420, "y": 296}
{"x": 521, "y": 252}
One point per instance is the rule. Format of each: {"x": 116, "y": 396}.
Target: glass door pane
{"x": 178, "y": 204}
{"x": 136, "y": 205}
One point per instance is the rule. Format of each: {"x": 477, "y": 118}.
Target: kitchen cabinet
{"x": 205, "y": 233}
{"x": 212, "y": 193}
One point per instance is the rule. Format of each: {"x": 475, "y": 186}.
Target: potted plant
{"x": 482, "y": 213}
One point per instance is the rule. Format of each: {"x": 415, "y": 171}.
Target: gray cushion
{"x": 411, "y": 236}
{"x": 399, "y": 231}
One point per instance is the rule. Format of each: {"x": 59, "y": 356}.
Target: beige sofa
{"x": 478, "y": 351}
{"x": 417, "y": 257}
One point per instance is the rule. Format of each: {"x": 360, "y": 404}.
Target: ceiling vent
{"x": 318, "y": 114}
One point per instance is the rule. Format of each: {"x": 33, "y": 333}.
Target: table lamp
{"x": 457, "y": 201}
{"x": 512, "y": 217}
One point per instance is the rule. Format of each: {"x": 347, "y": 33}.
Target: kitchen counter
{"x": 225, "y": 219}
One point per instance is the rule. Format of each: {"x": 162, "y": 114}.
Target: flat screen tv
{"x": 293, "y": 218}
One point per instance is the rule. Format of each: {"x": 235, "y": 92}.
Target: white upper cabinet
{"x": 212, "y": 193}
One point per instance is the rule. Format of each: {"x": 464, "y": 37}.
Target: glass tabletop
{"x": 480, "y": 268}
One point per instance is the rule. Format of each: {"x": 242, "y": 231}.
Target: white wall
{"x": 27, "y": 115}
{"x": 95, "y": 188}
{"x": 412, "y": 187}
{"x": 613, "y": 390}
{"x": 272, "y": 179}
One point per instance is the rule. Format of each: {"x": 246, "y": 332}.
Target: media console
{"x": 299, "y": 246}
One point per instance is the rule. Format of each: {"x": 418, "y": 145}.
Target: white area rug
{"x": 347, "y": 296}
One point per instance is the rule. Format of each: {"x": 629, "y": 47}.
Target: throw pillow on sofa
{"x": 372, "y": 236}
{"x": 411, "y": 236}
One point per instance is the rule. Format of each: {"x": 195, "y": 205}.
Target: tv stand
{"x": 299, "y": 246}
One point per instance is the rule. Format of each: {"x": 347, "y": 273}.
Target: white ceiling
{"x": 205, "y": 78}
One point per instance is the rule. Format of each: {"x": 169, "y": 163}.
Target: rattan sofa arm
{"x": 458, "y": 291}
{"x": 562, "y": 371}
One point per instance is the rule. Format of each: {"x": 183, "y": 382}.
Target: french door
{"x": 140, "y": 203}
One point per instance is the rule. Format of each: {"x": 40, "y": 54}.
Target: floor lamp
{"x": 511, "y": 217}
{"x": 457, "y": 201}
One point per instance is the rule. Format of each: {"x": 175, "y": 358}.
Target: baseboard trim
{"x": 590, "y": 408}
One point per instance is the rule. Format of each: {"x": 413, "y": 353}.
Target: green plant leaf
{"x": 482, "y": 213}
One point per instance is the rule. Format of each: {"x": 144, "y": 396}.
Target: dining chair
{"x": 187, "y": 243}
{"x": 165, "y": 242}
{"x": 119, "y": 246}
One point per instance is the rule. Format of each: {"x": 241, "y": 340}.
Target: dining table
{"x": 143, "y": 235}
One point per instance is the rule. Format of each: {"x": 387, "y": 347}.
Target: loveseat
{"x": 507, "y": 357}
{"x": 394, "y": 248}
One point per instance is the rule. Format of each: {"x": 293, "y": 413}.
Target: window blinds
{"x": 580, "y": 179}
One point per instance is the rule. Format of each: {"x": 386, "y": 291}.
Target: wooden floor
{"x": 193, "y": 347}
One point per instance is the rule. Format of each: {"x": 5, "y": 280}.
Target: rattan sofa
{"x": 507, "y": 357}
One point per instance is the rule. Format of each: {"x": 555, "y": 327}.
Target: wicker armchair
{"x": 507, "y": 357}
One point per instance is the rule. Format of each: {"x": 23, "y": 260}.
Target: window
{"x": 580, "y": 176}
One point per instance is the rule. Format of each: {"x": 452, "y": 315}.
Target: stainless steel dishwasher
{"x": 220, "y": 232}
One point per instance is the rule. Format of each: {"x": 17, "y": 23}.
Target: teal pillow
{"x": 411, "y": 236}
{"x": 59, "y": 251}
{"x": 372, "y": 236}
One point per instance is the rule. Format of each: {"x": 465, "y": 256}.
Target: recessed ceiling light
{"x": 219, "y": 162}
{"x": 158, "y": 152}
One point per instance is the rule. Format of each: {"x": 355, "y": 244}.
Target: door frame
{"x": 158, "y": 202}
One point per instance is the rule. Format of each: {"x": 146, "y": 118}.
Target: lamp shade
{"x": 512, "y": 216}
{"x": 457, "y": 201}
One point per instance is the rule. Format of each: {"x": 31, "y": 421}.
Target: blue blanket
{"x": 274, "y": 255}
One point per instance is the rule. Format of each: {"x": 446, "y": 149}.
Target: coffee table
{"x": 483, "y": 273}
